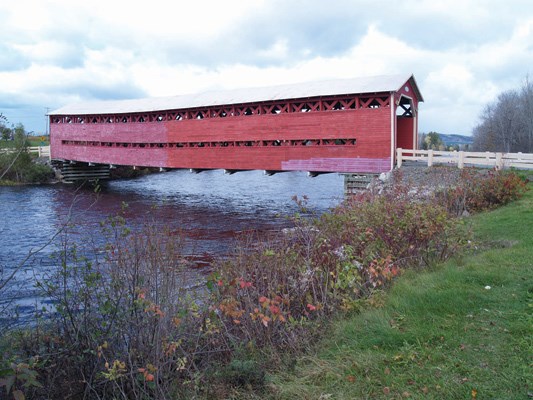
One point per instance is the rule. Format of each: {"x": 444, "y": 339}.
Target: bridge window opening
{"x": 374, "y": 104}
{"x": 337, "y": 106}
{"x": 405, "y": 108}
{"x": 249, "y": 143}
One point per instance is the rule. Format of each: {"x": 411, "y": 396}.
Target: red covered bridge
{"x": 352, "y": 125}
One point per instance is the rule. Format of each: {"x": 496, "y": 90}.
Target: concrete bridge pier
{"x": 355, "y": 183}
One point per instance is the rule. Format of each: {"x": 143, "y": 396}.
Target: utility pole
{"x": 47, "y": 120}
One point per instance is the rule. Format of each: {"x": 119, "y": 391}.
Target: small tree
{"x": 5, "y": 132}
{"x": 432, "y": 141}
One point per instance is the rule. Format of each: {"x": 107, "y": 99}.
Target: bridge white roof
{"x": 375, "y": 84}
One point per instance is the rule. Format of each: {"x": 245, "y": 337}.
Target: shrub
{"x": 124, "y": 324}
{"x": 478, "y": 191}
{"x": 23, "y": 169}
{"x": 268, "y": 296}
{"x": 265, "y": 296}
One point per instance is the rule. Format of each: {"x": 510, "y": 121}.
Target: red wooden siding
{"x": 369, "y": 127}
{"x": 405, "y": 132}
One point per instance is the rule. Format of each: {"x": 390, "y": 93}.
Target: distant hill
{"x": 451, "y": 140}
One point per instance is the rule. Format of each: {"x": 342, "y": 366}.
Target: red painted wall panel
{"x": 371, "y": 128}
{"x": 404, "y": 129}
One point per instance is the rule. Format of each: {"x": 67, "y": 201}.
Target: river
{"x": 210, "y": 207}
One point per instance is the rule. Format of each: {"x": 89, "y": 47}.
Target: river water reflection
{"x": 210, "y": 207}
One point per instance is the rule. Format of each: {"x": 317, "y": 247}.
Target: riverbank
{"x": 140, "y": 335}
{"x": 23, "y": 168}
{"x": 39, "y": 172}
{"x": 460, "y": 331}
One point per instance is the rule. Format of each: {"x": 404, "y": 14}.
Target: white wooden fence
{"x": 42, "y": 151}
{"x": 462, "y": 158}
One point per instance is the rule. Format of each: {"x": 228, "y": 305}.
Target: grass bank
{"x": 460, "y": 331}
{"x": 123, "y": 325}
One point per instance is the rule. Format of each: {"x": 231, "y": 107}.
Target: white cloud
{"x": 462, "y": 53}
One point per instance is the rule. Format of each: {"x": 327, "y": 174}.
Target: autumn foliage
{"x": 125, "y": 326}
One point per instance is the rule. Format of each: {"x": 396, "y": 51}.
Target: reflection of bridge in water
{"x": 348, "y": 126}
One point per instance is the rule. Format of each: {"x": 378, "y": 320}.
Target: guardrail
{"x": 42, "y": 151}
{"x": 462, "y": 158}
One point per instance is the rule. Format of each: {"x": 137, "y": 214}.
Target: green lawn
{"x": 461, "y": 331}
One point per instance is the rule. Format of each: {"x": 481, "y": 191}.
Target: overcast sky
{"x": 462, "y": 53}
